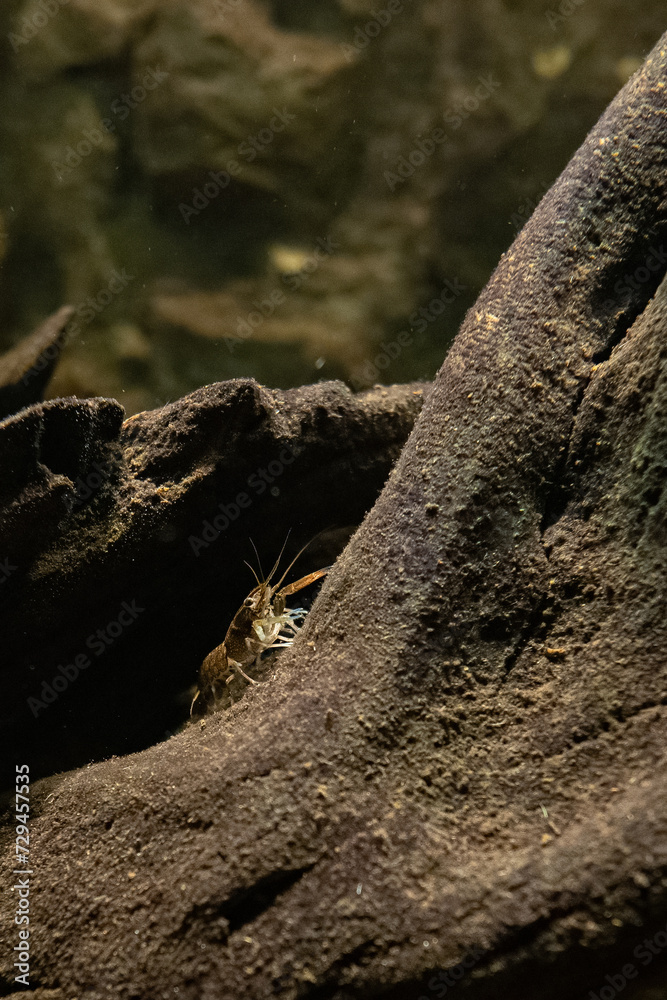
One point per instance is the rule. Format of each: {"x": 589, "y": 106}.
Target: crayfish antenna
{"x": 252, "y": 570}
{"x": 192, "y": 704}
{"x": 259, "y": 562}
{"x": 297, "y": 556}
{"x": 277, "y": 562}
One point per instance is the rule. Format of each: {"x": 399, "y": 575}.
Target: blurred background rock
{"x": 281, "y": 189}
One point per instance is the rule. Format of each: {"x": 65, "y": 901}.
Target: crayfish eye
{"x": 248, "y": 602}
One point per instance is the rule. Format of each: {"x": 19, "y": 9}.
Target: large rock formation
{"x": 155, "y": 513}
{"x": 459, "y": 768}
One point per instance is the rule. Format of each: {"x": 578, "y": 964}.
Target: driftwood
{"x": 460, "y": 765}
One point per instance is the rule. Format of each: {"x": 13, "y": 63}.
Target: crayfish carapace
{"x": 262, "y": 622}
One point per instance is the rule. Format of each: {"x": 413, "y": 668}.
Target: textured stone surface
{"x": 462, "y": 758}
{"x": 96, "y": 513}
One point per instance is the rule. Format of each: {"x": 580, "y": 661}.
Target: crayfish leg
{"x": 238, "y": 669}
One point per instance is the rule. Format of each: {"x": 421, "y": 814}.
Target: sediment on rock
{"x": 462, "y": 757}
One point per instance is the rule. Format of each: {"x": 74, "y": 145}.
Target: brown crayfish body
{"x": 261, "y": 623}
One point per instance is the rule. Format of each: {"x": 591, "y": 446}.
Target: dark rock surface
{"x": 462, "y": 759}
{"x": 97, "y": 514}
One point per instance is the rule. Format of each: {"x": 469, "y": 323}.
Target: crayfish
{"x": 262, "y": 622}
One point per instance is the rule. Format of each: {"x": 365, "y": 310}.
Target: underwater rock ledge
{"x": 97, "y": 513}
